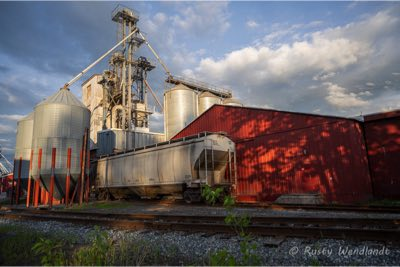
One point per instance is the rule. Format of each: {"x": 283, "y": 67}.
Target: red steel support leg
{"x": 67, "y": 181}
{"x": 53, "y": 166}
{"x": 42, "y": 196}
{"x": 38, "y": 190}
{"x": 83, "y": 168}
{"x": 87, "y": 191}
{"x": 33, "y": 192}
{"x": 36, "y": 194}
{"x": 19, "y": 181}
{"x": 28, "y": 193}
{"x": 80, "y": 186}
{"x": 12, "y": 184}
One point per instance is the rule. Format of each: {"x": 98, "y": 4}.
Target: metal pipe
{"x": 154, "y": 95}
{"x": 77, "y": 77}
{"x": 114, "y": 115}
{"x": 129, "y": 85}
{"x": 123, "y": 78}
{"x": 156, "y": 55}
{"x": 105, "y": 107}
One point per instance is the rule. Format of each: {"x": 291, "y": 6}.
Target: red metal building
{"x": 281, "y": 152}
{"x": 382, "y": 134}
{"x": 5, "y": 182}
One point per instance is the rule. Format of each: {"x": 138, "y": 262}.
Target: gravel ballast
{"x": 194, "y": 249}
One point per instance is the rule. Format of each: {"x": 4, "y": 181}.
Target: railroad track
{"x": 304, "y": 227}
{"x": 337, "y": 208}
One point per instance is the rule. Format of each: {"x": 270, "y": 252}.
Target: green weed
{"x": 51, "y": 252}
{"x": 239, "y": 223}
{"x": 210, "y": 195}
{"x": 100, "y": 252}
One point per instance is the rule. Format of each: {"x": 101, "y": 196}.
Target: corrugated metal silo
{"x": 181, "y": 108}
{"x": 207, "y": 100}
{"x": 232, "y": 102}
{"x": 23, "y": 145}
{"x": 60, "y": 122}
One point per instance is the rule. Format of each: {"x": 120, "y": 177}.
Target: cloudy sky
{"x": 339, "y": 58}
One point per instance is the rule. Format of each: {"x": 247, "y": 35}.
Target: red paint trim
{"x": 28, "y": 192}
{"x": 67, "y": 181}
{"x": 19, "y": 181}
{"x": 53, "y": 166}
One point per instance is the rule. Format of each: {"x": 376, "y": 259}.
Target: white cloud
{"x": 259, "y": 65}
{"x": 7, "y": 149}
{"x": 396, "y": 73}
{"x": 341, "y": 98}
{"x": 252, "y": 24}
{"x": 7, "y": 129}
{"x": 11, "y": 98}
{"x": 200, "y": 18}
{"x": 157, "y": 122}
{"x": 160, "y": 18}
{"x": 294, "y": 75}
{"x": 13, "y": 117}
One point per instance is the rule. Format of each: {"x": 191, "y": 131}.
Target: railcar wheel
{"x": 187, "y": 197}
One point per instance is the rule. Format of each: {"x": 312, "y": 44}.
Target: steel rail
{"x": 338, "y": 208}
{"x": 293, "y": 220}
{"x": 336, "y": 228}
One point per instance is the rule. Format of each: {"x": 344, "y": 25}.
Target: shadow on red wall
{"x": 383, "y": 142}
{"x": 283, "y": 152}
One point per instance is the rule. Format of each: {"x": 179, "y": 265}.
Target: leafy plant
{"x": 99, "y": 253}
{"x": 211, "y": 196}
{"x": 222, "y": 258}
{"x": 51, "y": 252}
{"x": 248, "y": 251}
{"x": 239, "y": 223}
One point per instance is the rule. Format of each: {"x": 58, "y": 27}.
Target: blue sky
{"x": 339, "y": 58}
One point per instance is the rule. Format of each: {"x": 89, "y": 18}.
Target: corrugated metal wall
{"x": 283, "y": 152}
{"x": 382, "y": 133}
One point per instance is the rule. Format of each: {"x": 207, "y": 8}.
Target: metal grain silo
{"x": 181, "y": 108}
{"x": 60, "y": 122}
{"x": 207, "y": 100}
{"x": 23, "y": 145}
{"x": 232, "y": 102}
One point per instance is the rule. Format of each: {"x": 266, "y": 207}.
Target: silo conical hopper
{"x": 60, "y": 122}
{"x": 23, "y": 145}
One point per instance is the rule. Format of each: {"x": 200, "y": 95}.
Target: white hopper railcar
{"x": 178, "y": 167}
